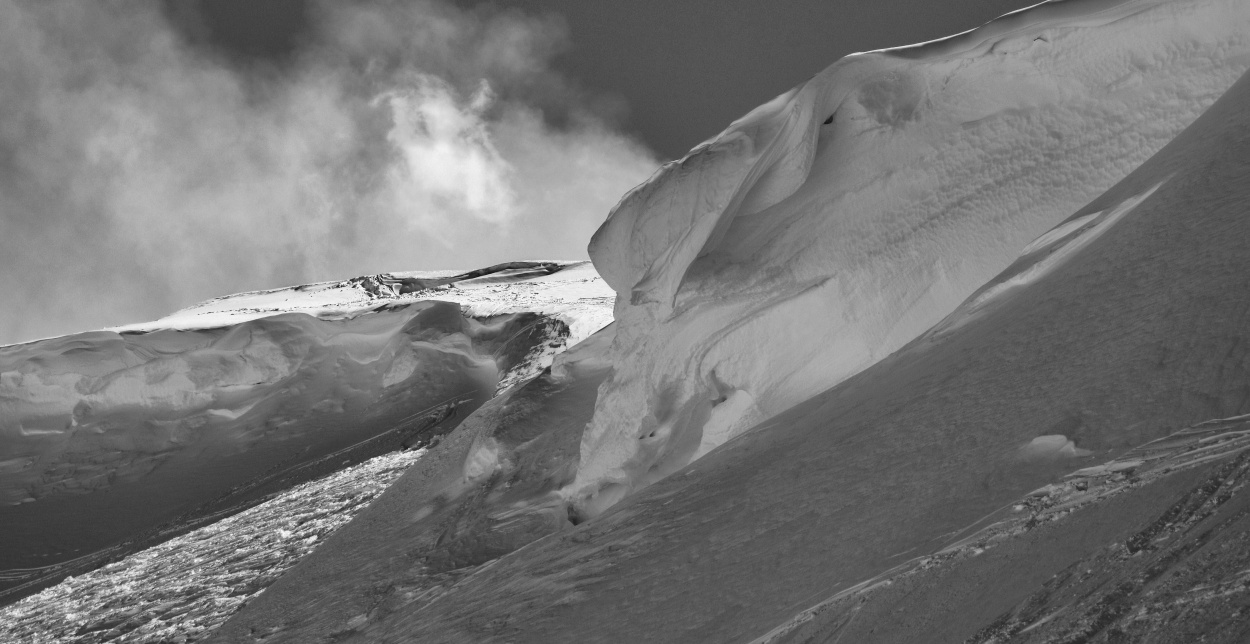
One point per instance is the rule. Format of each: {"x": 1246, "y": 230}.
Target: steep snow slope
{"x": 504, "y": 478}
{"x": 1149, "y": 547}
{"x": 1140, "y": 331}
{"x": 825, "y": 229}
{"x": 105, "y": 435}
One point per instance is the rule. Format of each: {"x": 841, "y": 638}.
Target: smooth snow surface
{"x": 825, "y": 229}
{"x": 106, "y": 435}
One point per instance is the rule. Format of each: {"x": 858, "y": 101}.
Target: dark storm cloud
{"x": 140, "y": 173}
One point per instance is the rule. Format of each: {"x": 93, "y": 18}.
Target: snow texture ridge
{"x": 832, "y": 225}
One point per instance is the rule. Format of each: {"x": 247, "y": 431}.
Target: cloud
{"x": 447, "y": 160}
{"x": 140, "y": 174}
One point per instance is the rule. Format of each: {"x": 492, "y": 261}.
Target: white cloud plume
{"x": 139, "y": 174}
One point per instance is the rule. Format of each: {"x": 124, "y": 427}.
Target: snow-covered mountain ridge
{"x": 569, "y": 291}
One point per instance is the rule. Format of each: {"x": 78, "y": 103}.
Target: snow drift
{"x": 825, "y": 229}
{"x": 105, "y": 435}
{"x": 774, "y": 262}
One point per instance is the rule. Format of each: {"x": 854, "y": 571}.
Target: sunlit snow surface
{"x": 572, "y": 291}
{"x": 180, "y": 590}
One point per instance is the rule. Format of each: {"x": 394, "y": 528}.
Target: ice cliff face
{"x": 827, "y": 228}
{"x": 105, "y": 435}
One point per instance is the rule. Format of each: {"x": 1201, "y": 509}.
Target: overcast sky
{"x": 153, "y": 155}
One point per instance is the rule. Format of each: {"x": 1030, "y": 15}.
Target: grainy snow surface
{"x": 180, "y": 590}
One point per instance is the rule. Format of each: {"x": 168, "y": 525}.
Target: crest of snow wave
{"x": 827, "y": 228}
{"x": 140, "y": 174}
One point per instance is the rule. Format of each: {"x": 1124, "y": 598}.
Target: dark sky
{"x": 684, "y": 68}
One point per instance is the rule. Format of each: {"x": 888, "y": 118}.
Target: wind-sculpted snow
{"x": 739, "y": 294}
{"x": 111, "y": 439}
{"x": 827, "y": 228}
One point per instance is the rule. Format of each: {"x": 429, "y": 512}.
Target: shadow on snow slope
{"x": 1151, "y": 547}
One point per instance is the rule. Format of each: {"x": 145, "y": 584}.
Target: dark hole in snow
{"x": 829, "y": 120}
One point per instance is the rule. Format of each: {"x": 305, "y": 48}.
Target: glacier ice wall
{"x": 828, "y": 227}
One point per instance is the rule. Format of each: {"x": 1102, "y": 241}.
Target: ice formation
{"x": 105, "y": 435}
{"x": 825, "y": 229}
